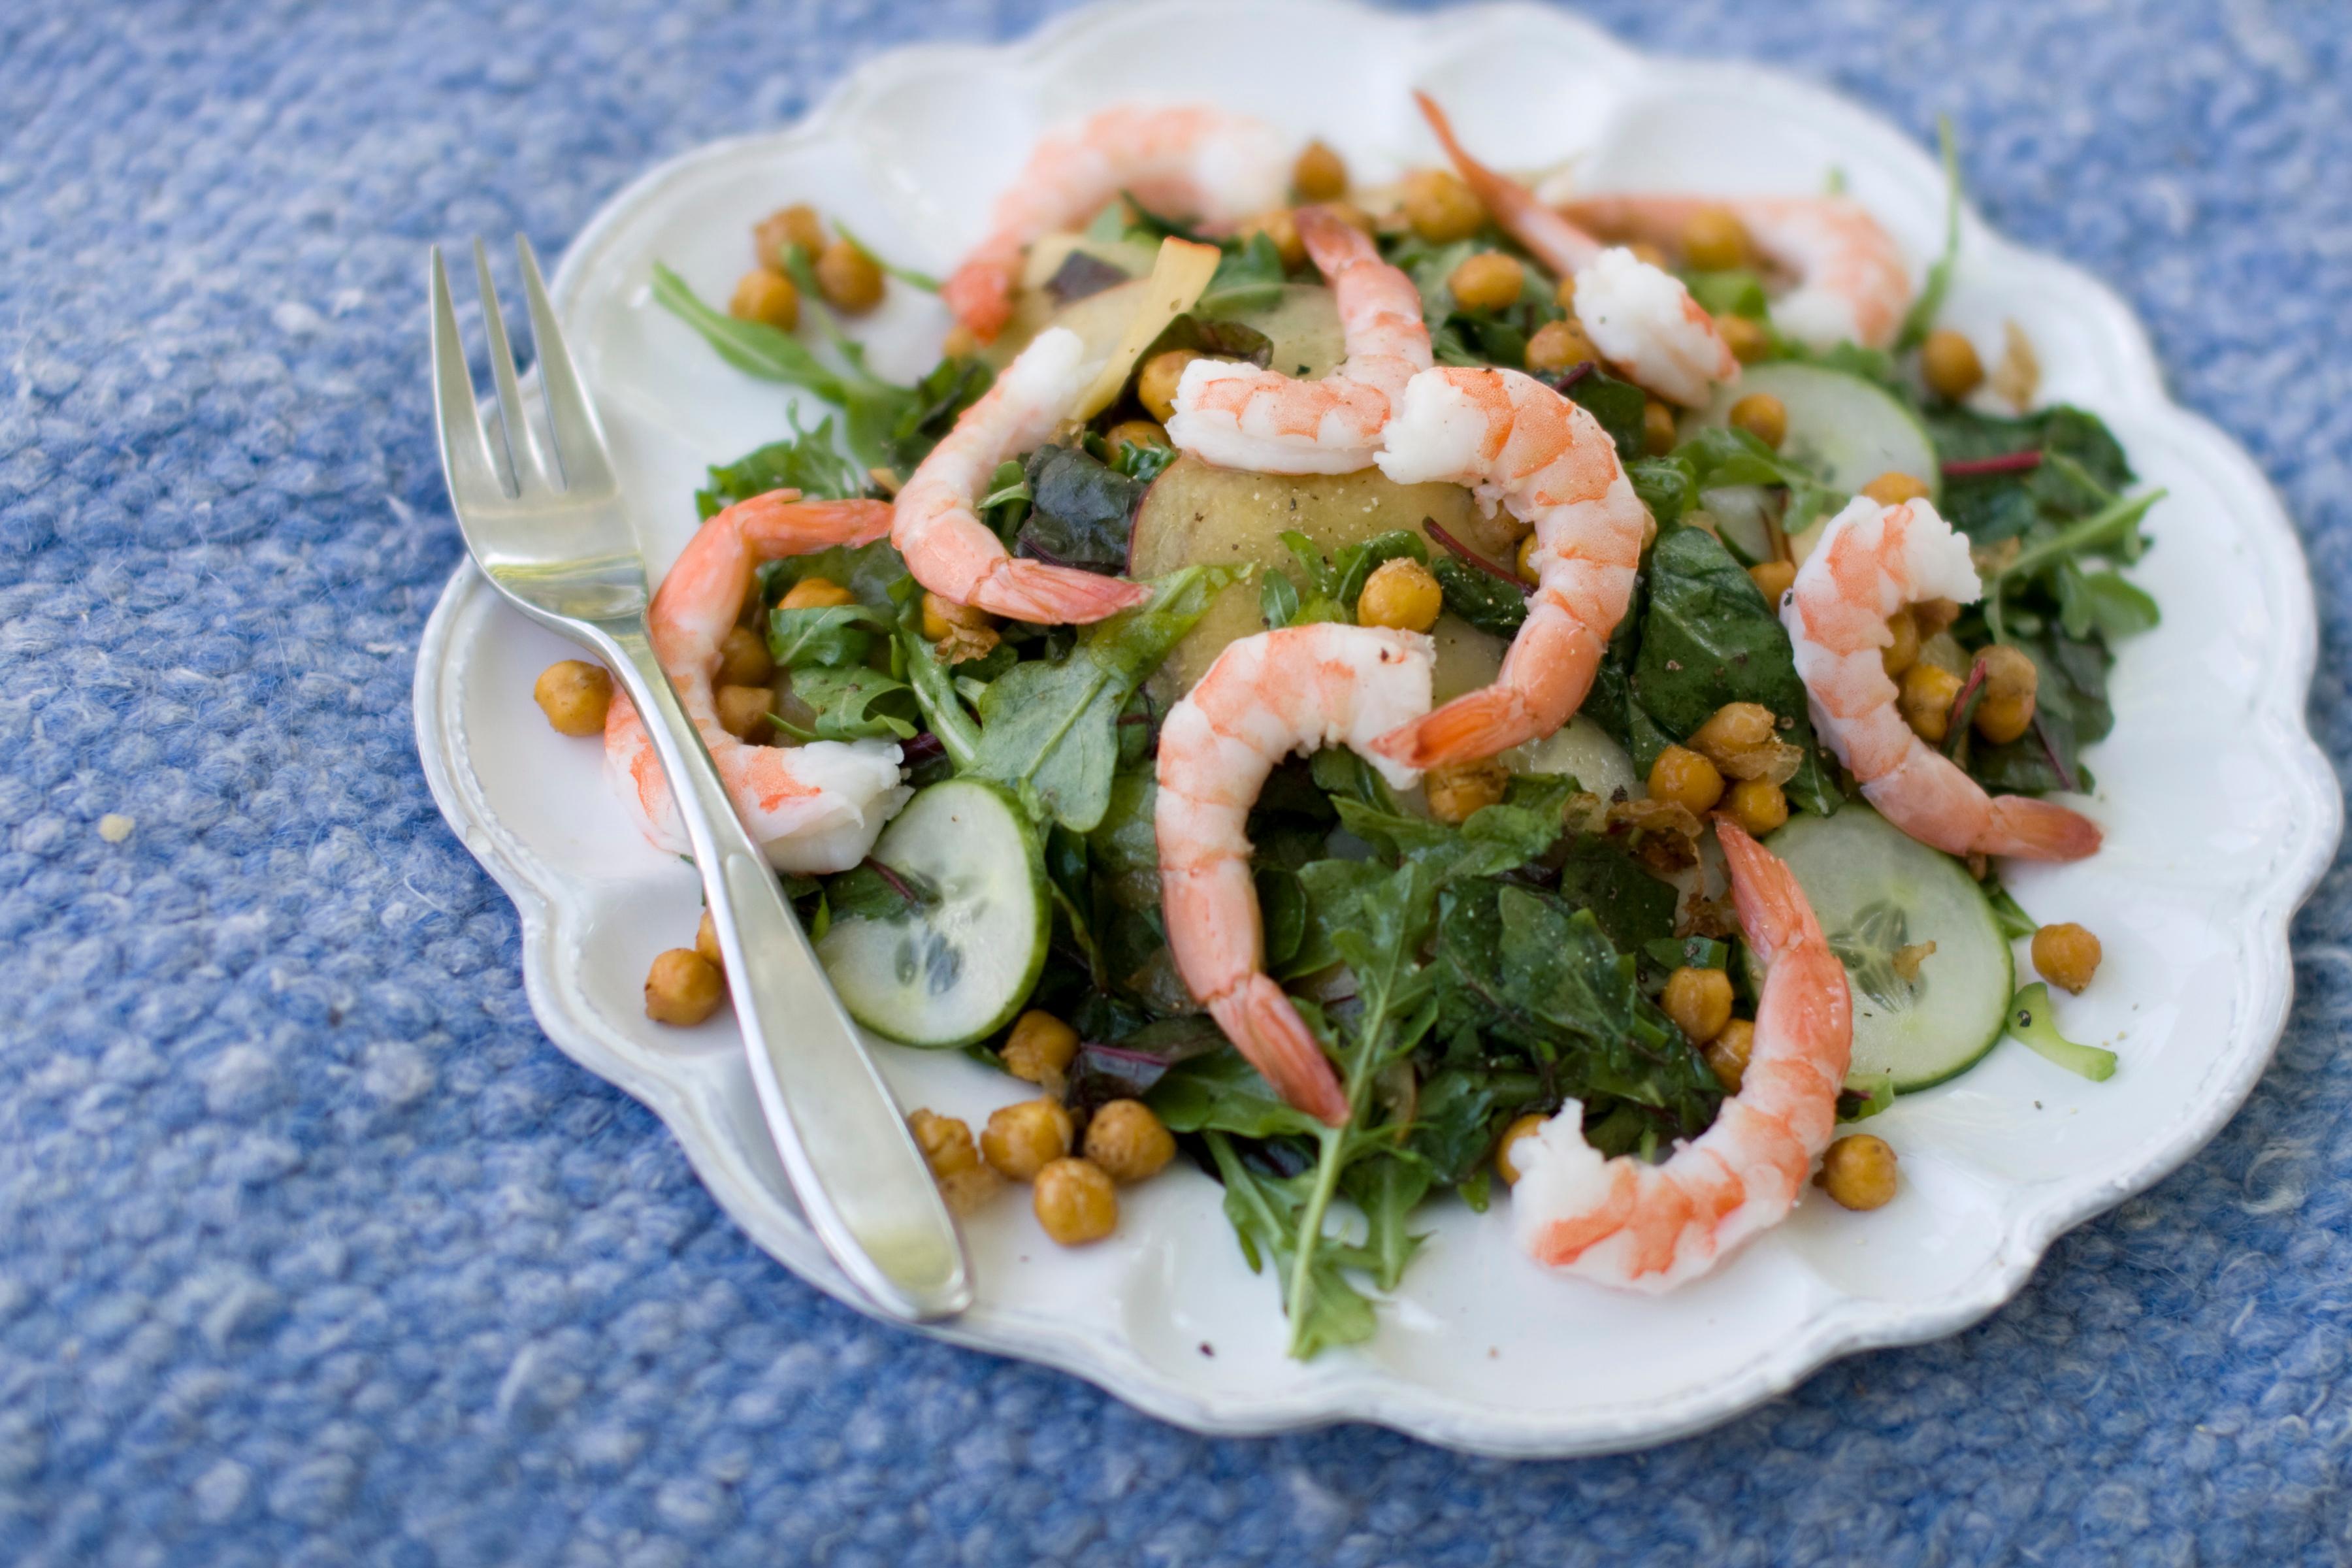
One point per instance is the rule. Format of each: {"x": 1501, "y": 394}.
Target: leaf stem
{"x": 1437, "y": 531}
{"x": 2116, "y": 515}
{"x": 2006, "y": 463}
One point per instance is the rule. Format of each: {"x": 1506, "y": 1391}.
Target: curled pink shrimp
{"x": 1551, "y": 465}
{"x": 1628, "y": 1223}
{"x": 1640, "y": 316}
{"x": 1296, "y": 690}
{"x": 1851, "y": 283}
{"x": 1239, "y": 416}
{"x": 815, "y": 808}
{"x": 1189, "y": 160}
{"x": 1871, "y": 561}
{"x": 936, "y": 523}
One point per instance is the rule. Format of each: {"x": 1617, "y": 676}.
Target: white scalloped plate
{"x": 2191, "y": 902}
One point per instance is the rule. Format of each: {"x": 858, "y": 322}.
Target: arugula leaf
{"x": 1248, "y": 278}
{"x": 854, "y": 704}
{"x": 933, "y": 689}
{"x": 1668, "y": 486}
{"x": 1049, "y": 730}
{"x": 752, "y": 347}
{"x": 907, "y": 275}
{"x": 1220, "y": 1092}
{"x": 1081, "y": 510}
{"x": 806, "y": 461}
{"x": 833, "y": 637}
{"x": 1269, "y": 1215}
{"x": 1481, "y": 599}
{"x": 1921, "y": 317}
{"x": 1386, "y": 1187}
{"x": 1463, "y": 1109}
{"x": 1633, "y": 908}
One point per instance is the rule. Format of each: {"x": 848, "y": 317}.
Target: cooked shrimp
{"x": 1627, "y": 1221}
{"x": 815, "y": 808}
{"x": 1296, "y": 690}
{"x": 1871, "y": 561}
{"x": 1239, "y": 416}
{"x": 1194, "y": 160}
{"x": 1551, "y": 465}
{"x": 1851, "y": 285}
{"x": 936, "y": 521}
{"x": 1640, "y": 316}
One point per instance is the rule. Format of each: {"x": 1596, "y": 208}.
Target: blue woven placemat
{"x": 312, "y": 1250}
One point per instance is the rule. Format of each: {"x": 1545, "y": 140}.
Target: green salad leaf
{"x": 1081, "y": 509}
{"x": 806, "y": 461}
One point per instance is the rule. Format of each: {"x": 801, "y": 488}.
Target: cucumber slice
{"x": 955, "y": 967}
{"x": 1875, "y": 889}
{"x": 1844, "y": 429}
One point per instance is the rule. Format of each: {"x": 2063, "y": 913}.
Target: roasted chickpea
{"x": 1155, "y": 386}
{"x": 1136, "y": 433}
{"x": 815, "y": 594}
{"x": 743, "y": 658}
{"x": 848, "y": 278}
{"x": 1715, "y": 240}
{"x": 1022, "y": 1140}
{"x": 1698, "y": 1001}
{"x": 574, "y": 695}
{"x": 1933, "y": 615}
{"x": 1773, "y": 578}
{"x": 1746, "y": 340}
{"x": 1351, "y": 214}
{"x": 1129, "y": 1141}
{"x": 943, "y": 617}
{"x": 683, "y": 988}
{"x": 1440, "y": 207}
{"x": 767, "y": 298}
{"x": 1644, "y": 251}
{"x": 1320, "y": 175}
{"x": 1488, "y": 280}
{"x": 1458, "y": 789}
{"x": 787, "y": 226}
{"x": 1075, "y": 1202}
{"x": 1682, "y": 777}
{"x": 1948, "y": 363}
{"x": 1760, "y": 805}
{"x": 705, "y": 942}
{"x": 1893, "y": 489}
{"x": 964, "y": 1179}
{"x": 2011, "y": 681}
{"x": 1282, "y": 229}
{"x": 1762, "y": 415}
{"x": 1904, "y": 652}
{"x": 1657, "y": 428}
{"x": 1741, "y": 739}
{"x": 1858, "y": 1172}
{"x": 1726, "y": 1054}
{"x": 2066, "y": 955}
{"x": 1507, "y": 1168}
{"x": 1040, "y": 1048}
{"x": 1563, "y": 294}
{"x": 1400, "y": 593}
{"x": 960, "y": 343}
{"x": 1526, "y": 560}
{"x": 1927, "y": 701}
{"x": 744, "y": 710}
{"x": 1558, "y": 346}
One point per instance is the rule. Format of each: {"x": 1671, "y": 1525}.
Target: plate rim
{"x": 1356, "y": 1389}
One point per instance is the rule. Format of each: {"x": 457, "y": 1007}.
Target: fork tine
{"x": 465, "y": 452}
{"x": 579, "y": 438}
{"x": 515, "y": 442}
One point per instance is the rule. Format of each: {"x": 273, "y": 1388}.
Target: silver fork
{"x": 547, "y": 527}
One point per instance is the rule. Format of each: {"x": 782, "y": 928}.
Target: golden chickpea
{"x": 683, "y": 988}
{"x": 960, "y": 343}
{"x": 1726, "y": 1054}
{"x": 787, "y": 226}
{"x": 1558, "y": 346}
{"x": 2066, "y": 955}
{"x": 1320, "y": 175}
{"x": 1040, "y": 1048}
{"x": 1657, "y": 428}
{"x": 1022, "y": 1140}
{"x": 1715, "y": 240}
{"x": 1893, "y": 489}
{"x": 744, "y": 710}
{"x": 1507, "y": 1168}
{"x": 1746, "y": 339}
{"x": 1075, "y": 1202}
{"x": 1948, "y": 361}
{"x": 1760, "y": 805}
{"x": 1351, "y": 214}
{"x": 964, "y": 1179}
{"x": 1440, "y": 207}
{"x": 1773, "y": 578}
{"x": 1282, "y": 229}
{"x": 574, "y": 695}
{"x": 1858, "y": 1172}
{"x": 943, "y": 617}
{"x": 1762, "y": 415}
{"x": 1400, "y": 593}
{"x": 1128, "y": 1142}
{"x": 1904, "y": 652}
{"x": 1138, "y": 432}
{"x": 1934, "y": 614}
{"x": 1644, "y": 251}
{"x": 848, "y": 278}
{"x": 705, "y": 942}
{"x": 1526, "y": 560}
{"x": 1686, "y": 779}
{"x": 1155, "y": 387}
{"x": 1487, "y": 281}
{"x": 1457, "y": 790}
{"x": 2012, "y": 679}
{"x": 767, "y": 298}
{"x": 1732, "y": 736}
{"x": 1698, "y": 1001}
{"x": 1563, "y": 294}
{"x": 1927, "y": 701}
{"x": 815, "y": 594}
{"x": 743, "y": 658}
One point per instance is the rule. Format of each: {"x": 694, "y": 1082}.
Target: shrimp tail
{"x": 1475, "y": 724}
{"x": 979, "y": 293}
{"x": 1509, "y": 201}
{"x": 1055, "y": 595}
{"x": 1774, "y": 913}
{"x": 1266, "y": 1029}
{"x": 2038, "y": 830}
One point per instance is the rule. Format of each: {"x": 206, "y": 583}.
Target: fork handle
{"x": 852, "y": 1162}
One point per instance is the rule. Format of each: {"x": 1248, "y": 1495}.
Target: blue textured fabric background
{"x": 313, "y": 1250}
